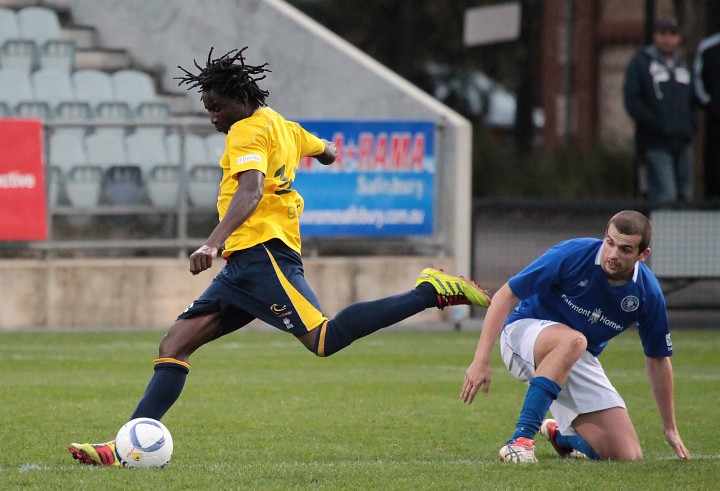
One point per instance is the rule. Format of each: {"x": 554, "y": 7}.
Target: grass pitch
{"x": 261, "y": 412}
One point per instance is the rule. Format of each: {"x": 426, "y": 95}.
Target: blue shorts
{"x": 265, "y": 282}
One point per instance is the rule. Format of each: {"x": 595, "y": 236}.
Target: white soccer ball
{"x": 143, "y": 443}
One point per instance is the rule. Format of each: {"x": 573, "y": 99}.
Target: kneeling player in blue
{"x": 569, "y": 303}
{"x": 263, "y": 277}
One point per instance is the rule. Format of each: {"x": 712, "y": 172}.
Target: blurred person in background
{"x": 707, "y": 90}
{"x": 658, "y": 96}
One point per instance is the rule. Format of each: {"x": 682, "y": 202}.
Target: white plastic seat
{"x": 39, "y": 24}
{"x": 18, "y": 54}
{"x": 133, "y": 87}
{"x": 215, "y": 146}
{"x": 8, "y": 25}
{"x": 152, "y": 111}
{"x": 15, "y": 88}
{"x": 146, "y": 149}
{"x": 203, "y": 185}
{"x": 105, "y": 150}
{"x": 163, "y": 185}
{"x": 66, "y": 149}
{"x": 93, "y": 86}
{"x": 57, "y": 54}
{"x": 34, "y": 110}
{"x": 195, "y": 153}
{"x": 53, "y": 87}
{"x": 69, "y": 111}
{"x": 82, "y": 185}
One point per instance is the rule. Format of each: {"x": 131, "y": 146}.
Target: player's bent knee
{"x": 580, "y": 343}
{"x": 624, "y": 454}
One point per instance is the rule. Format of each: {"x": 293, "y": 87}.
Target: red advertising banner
{"x": 23, "y": 208}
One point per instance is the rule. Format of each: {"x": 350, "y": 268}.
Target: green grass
{"x": 260, "y": 412}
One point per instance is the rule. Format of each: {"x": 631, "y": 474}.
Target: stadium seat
{"x": 39, "y": 24}
{"x": 15, "y": 88}
{"x": 133, "y": 87}
{"x": 82, "y": 185}
{"x": 53, "y": 87}
{"x": 146, "y": 149}
{"x": 66, "y": 150}
{"x": 34, "y": 110}
{"x": 215, "y": 146}
{"x": 152, "y": 111}
{"x": 57, "y": 54}
{"x": 18, "y": 54}
{"x": 93, "y": 86}
{"x": 8, "y": 25}
{"x": 194, "y": 150}
{"x": 163, "y": 186}
{"x": 123, "y": 186}
{"x": 203, "y": 185}
{"x": 73, "y": 111}
{"x": 105, "y": 149}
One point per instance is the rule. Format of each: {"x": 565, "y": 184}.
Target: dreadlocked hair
{"x": 228, "y": 76}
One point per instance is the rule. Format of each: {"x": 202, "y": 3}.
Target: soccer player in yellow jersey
{"x": 259, "y": 233}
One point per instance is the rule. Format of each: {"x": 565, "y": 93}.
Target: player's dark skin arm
{"x": 242, "y": 205}
{"x": 329, "y": 154}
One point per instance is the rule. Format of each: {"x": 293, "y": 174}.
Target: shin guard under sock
{"x": 541, "y": 393}
{"x": 163, "y": 389}
{"x": 360, "y": 319}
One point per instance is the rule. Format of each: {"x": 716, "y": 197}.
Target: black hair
{"x": 228, "y": 78}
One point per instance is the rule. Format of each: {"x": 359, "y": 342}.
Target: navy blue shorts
{"x": 265, "y": 282}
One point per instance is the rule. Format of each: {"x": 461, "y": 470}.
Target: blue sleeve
{"x": 654, "y": 327}
{"x": 542, "y": 273}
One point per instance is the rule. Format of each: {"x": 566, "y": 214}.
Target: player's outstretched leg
{"x": 433, "y": 288}
{"x": 95, "y": 454}
{"x": 453, "y": 290}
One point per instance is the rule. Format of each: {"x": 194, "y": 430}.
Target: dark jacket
{"x": 707, "y": 76}
{"x": 661, "y": 101}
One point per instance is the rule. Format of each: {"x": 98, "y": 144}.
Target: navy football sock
{"x": 360, "y": 319}
{"x": 578, "y": 443}
{"x": 163, "y": 389}
{"x": 541, "y": 393}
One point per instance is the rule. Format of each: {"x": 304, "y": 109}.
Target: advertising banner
{"x": 382, "y": 183}
{"x": 23, "y": 211}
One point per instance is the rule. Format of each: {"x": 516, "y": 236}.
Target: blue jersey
{"x": 567, "y": 285}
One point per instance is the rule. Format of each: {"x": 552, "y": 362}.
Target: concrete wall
{"x": 150, "y": 293}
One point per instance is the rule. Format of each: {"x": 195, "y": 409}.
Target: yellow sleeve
{"x": 310, "y": 145}
{"x": 247, "y": 149}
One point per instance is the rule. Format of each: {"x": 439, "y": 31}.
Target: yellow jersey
{"x": 269, "y": 143}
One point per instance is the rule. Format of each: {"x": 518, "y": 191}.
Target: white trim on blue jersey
{"x": 567, "y": 285}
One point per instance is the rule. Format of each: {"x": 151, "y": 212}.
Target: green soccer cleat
{"x": 95, "y": 453}
{"x": 453, "y": 290}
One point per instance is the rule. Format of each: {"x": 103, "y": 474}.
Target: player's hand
{"x": 202, "y": 259}
{"x": 477, "y": 377}
{"x": 673, "y": 438}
